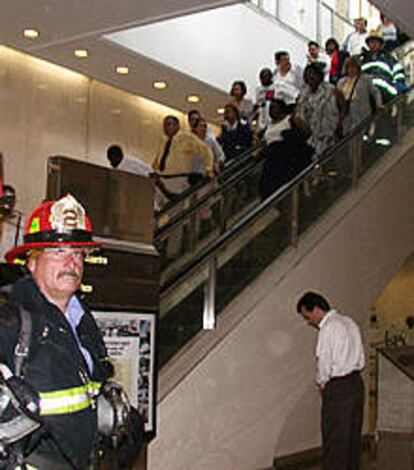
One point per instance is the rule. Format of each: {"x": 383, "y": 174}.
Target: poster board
{"x": 130, "y": 341}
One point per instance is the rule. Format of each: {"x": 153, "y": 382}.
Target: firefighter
{"x": 386, "y": 72}
{"x": 64, "y": 360}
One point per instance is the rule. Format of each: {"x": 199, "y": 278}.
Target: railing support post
{"x": 209, "y": 310}
{"x": 222, "y": 214}
{"x": 355, "y": 157}
{"x": 294, "y": 224}
{"x": 400, "y": 106}
{"x": 192, "y": 226}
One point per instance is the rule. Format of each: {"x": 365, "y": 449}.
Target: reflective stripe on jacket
{"x": 70, "y": 400}
{"x": 386, "y": 72}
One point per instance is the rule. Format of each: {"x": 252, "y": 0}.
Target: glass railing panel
{"x": 382, "y": 135}
{"x": 216, "y": 207}
{"x": 325, "y": 185}
{"x": 239, "y": 198}
{"x": 268, "y": 237}
{"x": 407, "y": 117}
{"x": 250, "y": 254}
{"x": 199, "y": 191}
{"x": 179, "y": 325}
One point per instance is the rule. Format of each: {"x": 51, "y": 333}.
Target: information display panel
{"x": 130, "y": 341}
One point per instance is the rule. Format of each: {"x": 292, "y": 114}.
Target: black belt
{"x": 344, "y": 377}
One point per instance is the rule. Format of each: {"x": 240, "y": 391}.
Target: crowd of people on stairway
{"x": 299, "y": 112}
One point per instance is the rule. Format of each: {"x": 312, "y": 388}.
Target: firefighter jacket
{"x": 57, "y": 370}
{"x": 386, "y": 72}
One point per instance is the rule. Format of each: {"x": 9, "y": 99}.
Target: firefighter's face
{"x": 57, "y": 271}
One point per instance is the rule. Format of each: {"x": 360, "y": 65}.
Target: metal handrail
{"x": 235, "y": 177}
{"x": 229, "y": 169}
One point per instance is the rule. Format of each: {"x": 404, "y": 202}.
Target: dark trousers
{"x": 342, "y": 416}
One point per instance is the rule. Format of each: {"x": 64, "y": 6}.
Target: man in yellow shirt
{"x": 180, "y": 154}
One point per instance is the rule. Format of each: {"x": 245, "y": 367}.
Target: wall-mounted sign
{"x": 130, "y": 340}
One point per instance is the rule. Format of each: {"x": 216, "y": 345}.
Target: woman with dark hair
{"x": 287, "y": 152}
{"x": 236, "y": 136}
{"x": 338, "y": 59}
{"x": 389, "y": 32}
{"x": 322, "y": 107}
{"x": 238, "y": 92}
{"x": 359, "y": 93}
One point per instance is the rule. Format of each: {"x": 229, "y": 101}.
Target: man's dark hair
{"x": 192, "y": 112}
{"x": 313, "y": 43}
{"x": 280, "y": 54}
{"x": 234, "y": 108}
{"x": 281, "y": 105}
{"x": 115, "y": 155}
{"x": 315, "y": 68}
{"x": 241, "y": 84}
{"x": 310, "y": 300}
{"x": 173, "y": 118}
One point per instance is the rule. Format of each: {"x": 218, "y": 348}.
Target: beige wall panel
{"x": 117, "y": 117}
{"x": 49, "y": 110}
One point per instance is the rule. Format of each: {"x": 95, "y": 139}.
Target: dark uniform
{"x": 57, "y": 370}
{"x": 386, "y": 72}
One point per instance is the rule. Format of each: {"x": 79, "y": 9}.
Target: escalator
{"x": 214, "y": 265}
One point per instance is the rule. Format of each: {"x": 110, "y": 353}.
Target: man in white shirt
{"x": 120, "y": 161}
{"x": 316, "y": 54}
{"x": 340, "y": 358}
{"x": 287, "y": 79}
{"x": 354, "y": 43}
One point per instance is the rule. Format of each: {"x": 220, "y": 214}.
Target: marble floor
{"x": 389, "y": 452}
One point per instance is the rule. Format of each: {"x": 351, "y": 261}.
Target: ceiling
{"x": 66, "y": 25}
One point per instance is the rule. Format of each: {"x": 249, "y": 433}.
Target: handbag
{"x": 348, "y": 101}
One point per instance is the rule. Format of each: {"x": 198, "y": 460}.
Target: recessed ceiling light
{"x": 193, "y": 98}
{"x": 122, "y": 70}
{"x": 81, "y": 53}
{"x": 220, "y": 111}
{"x": 30, "y": 33}
{"x": 159, "y": 85}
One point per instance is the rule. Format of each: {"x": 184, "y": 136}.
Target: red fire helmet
{"x": 55, "y": 223}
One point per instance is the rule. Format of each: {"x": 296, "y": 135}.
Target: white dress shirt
{"x": 274, "y": 130}
{"x": 339, "y": 350}
{"x": 135, "y": 165}
{"x": 355, "y": 43}
{"x": 289, "y": 85}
